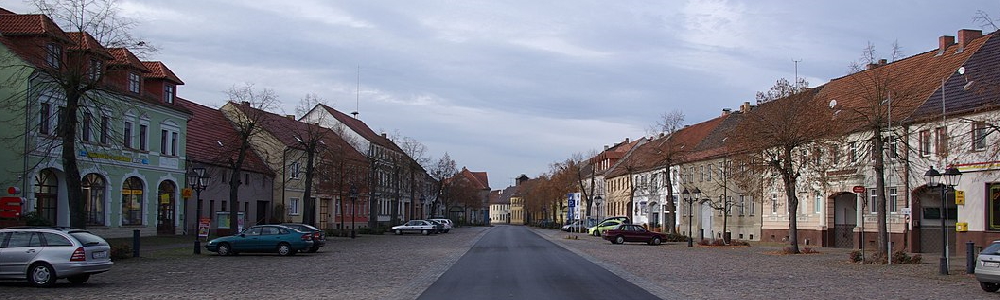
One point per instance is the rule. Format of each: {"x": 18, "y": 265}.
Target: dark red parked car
{"x": 633, "y": 233}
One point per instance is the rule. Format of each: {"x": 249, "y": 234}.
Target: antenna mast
{"x": 357, "y": 100}
{"x": 796, "y": 72}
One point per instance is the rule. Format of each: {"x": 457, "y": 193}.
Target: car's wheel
{"x": 399, "y": 231}
{"x": 225, "y": 250}
{"x": 425, "y": 232}
{"x": 619, "y": 240}
{"x": 656, "y": 241}
{"x": 284, "y": 249}
{"x": 446, "y": 230}
{"x": 313, "y": 249}
{"x": 79, "y": 278}
{"x": 989, "y": 286}
{"x": 41, "y": 275}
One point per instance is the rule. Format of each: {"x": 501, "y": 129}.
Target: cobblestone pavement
{"x": 402, "y": 267}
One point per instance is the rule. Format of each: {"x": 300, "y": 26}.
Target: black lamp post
{"x": 354, "y": 204}
{"x": 198, "y": 180}
{"x": 597, "y": 202}
{"x": 690, "y": 201}
{"x": 951, "y": 178}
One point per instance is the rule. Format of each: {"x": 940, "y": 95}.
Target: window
{"x": 743, "y": 202}
{"x": 127, "y": 138}
{"x": 925, "y": 142}
{"x": 728, "y": 205}
{"x": 173, "y": 144}
{"x": 93, "y": 194}
{"x": 55, "y": 240}
{"x": 818, "y": 203}
{"x": 853, "y": 151}
{"x": 143, "y": 129}
{"x": 43, "y": 118}
{"x": 708, "y": 174}
{"x": 168, "y": 93}
{"x": 133, "y": 82}
{"x": 774, "y": 203}
{"x": 132, "y": 201}
{"x": 835, "y": 154}
{"x": 892, "y": 199}
{"x": 979, "y": 136}
{"x": 753, "y": 206}
{"x": 293, "y": 170}
{"x": 293, "y": 206}
{"x": 105, "y": 129}
{"x": 993, "y": 206}
{"x": 702, "y": 174}
{"x": 873, "y": 200}
{"x": 941, "y": 135}
{"x": 60, "y": 111}
{"x": 53, "y": 55}
{"x": 246, "y": 179}
{"x": 85, "y": 127}
{"x": 96, "y": 69}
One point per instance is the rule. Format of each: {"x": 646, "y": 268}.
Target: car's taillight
{"x": 316, "y": 235}
{"x": 78, "y": 255}
{"x": 307, "y": 237}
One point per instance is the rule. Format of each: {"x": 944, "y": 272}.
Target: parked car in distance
{"x": 424, "y": 227}
{"x": 319, "y": 236}
{"x": 988, "y": 267}
{"x": 42, "y": 255}
{"x": 633, "y": 233}
{"x": 604, "y": 226}
{"x": 446, "y": 222}
{"x": 619, "y": 218}
{"x": 263, "y": 239}
{"x": 580, "y": 225}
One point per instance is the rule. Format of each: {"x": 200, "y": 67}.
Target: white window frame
{"x": 134, "y": 82}
{"x": 892, "y": 199}
{"x": 872, "y": 201}
{"x": 979, "y": 131}
{"x": 53, "y": 55}
{"x": 293, "y": 170}
{"x": 774, "y": 203}
{"x": 169, "y": 91}
{"x": 293, "y": 206}
{"x": 818, "y": 203}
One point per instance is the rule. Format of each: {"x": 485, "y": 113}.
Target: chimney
{"x": 245, "y": 103}
{"x": 626, "y": 140}
{"x": 290, "y": 117}
{"x": 726, "y": 111}
{"x": 883, "y": 62}
{"x": 967, "y": 35}
{"x": 606, "y": 147}
{"x": 943, "y": 42}
{"x": 745, "y": 107}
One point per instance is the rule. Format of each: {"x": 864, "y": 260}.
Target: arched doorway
{"x": 654, "y": 216}
{"x": 927, "y": 216}
{"x": 47, "y": 196}
{"x": 165, "y": 213}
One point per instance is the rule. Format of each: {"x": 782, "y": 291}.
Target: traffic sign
{"x": 859, "y": 189}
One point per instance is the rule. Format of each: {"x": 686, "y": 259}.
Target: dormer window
{"x": 96, "y": 69}
{"x": 133, "y": 82}
{"x": 168, "y": 93}
{"x": 53, "y": 55}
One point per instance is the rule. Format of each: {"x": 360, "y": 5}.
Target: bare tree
{"x": 442, "y": 170}
{"x": 248, "y": 113}
{"x": 74, "y": 76}
{"x": 774, "y": 132}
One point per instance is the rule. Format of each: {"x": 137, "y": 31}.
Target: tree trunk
{"x": 67, "y": 130}
{"x": 671, "y": 207}
{"x": 883, "y": 233}
{"x": 789, "y": 178}
{"x": 309, "y": 211}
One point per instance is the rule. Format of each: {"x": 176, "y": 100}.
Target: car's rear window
{"x": 993, "y": 249}
{"x": 88, "y": 239}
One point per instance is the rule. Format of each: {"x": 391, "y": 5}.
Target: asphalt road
{"x": 512, "y": 262}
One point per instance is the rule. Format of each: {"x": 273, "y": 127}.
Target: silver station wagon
{"x": 41, "y": 255}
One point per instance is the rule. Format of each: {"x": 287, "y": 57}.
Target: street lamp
{"x": 198, "y": 180}
{"x": 690, "y": 201}
{"x": 597, "y": 202}
{"x": 951, "y": 178}
{"x": 354, "y": 204}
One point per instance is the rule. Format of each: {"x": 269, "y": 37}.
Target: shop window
{"x": 93, "y": 193}
{"x": 132, "y": 194}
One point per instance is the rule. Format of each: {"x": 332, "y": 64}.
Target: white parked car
{"x": 422, "y": 226}
{"x": 446, "y": 222}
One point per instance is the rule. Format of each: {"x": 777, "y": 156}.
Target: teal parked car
{"x": 263, "y": 238}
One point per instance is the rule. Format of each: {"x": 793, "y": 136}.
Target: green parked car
{"x": 263, "y": 238}
{"x": 604, "y": 226}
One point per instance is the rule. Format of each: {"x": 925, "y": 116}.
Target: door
{"x": 845, "y": 219}
{"x": 46, "y": 192}
{"x": 261, "y": 212}
{"x": 165, "y": 209}
{"x": 21, "y": 249}
{"x": 249, "y": 240}
{"x": 324, "y": 213}
{"x": 707, "y": 213}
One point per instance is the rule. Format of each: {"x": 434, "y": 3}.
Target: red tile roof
{"x": 212, "y": 139}
{"x": 84, "y": 42}
{"x": 158, "y": 70}
{"x": 290, "y": 132}
{"x": 670, "y": 149}
{"x": 124, "y": 58}
{"x": 30, "y": 25}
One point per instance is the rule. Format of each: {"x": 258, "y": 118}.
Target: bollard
{"x": 135, "y": 243}
{"x": 970, "y": 257}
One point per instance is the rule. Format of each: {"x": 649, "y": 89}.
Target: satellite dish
{"x": 961, "y": 71}
{"x": 833, "y": 103}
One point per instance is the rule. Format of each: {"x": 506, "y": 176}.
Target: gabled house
{"x": 130, "y": 179}
{"x": 467, "y": 195}
{"x": 393, "y": 192}
{"x": 213, "y": 144}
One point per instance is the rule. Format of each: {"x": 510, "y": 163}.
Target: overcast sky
{"x": 509, "y": 87}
